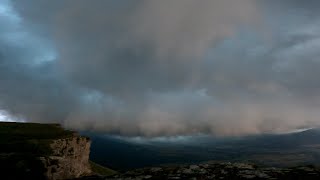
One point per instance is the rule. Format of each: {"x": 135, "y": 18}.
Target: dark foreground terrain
{"x": 47, "y": 151}
{"x": 44, "y": 151}
{"x": 232, "y": 171}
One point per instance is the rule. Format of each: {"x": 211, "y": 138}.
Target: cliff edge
{"x": 42, "y": 151}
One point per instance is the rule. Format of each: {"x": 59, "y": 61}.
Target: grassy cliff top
{"x": 30, "y": 137}
{"x": 33, "y": 131}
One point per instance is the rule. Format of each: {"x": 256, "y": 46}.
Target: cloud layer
{"x": 161, "y": 68}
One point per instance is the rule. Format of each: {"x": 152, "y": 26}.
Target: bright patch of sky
{"x": 5, "y": 117}
{"x": 295, "y": 131}
{"x": 172, "y": 139}
{"x": 7, "y": 11}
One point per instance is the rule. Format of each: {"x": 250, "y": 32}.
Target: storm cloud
{"x": 161, "y": 68}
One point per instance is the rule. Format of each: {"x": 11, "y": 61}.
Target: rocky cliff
{"x": 42, "y": 151}
{"x": 69, "y": 159}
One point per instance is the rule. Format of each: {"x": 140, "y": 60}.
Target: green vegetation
{"x": 101, "y": 170}
{"x": 29, "y": 138}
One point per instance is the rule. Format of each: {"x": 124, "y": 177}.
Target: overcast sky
{"x": 162, "y": 67}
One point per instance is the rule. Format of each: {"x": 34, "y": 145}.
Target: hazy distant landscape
{"x": 282, "y": 150}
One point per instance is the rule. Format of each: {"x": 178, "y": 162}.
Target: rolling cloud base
{"x": 161, "y": 68}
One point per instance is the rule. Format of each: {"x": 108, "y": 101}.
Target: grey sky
{"x": 155, "y": 68}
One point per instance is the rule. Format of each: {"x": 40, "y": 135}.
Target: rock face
{"x": 232, "y": 171}
{"x": 70, "y": 158}
{"x": 42, "y": 151}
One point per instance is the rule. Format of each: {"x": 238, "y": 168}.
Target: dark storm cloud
{"x": 30, "y": 85}
{"x": 162, "y": 67}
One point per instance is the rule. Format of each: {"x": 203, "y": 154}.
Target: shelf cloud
{"x": 161, "y": 68}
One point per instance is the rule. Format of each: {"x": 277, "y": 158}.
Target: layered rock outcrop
{"x": 69, "y": 158}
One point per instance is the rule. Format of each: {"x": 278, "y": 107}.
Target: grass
{"x": 101, "y": 170}
{"x": 33, "y": 131}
